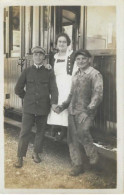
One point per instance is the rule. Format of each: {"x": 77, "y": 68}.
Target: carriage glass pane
{"x": 101, "y": 25}
{"x": 15, "y": 42}
{"x": 45, "y": 27}
{"x": 4, "y": 30}
{"x": 68, "y": 20}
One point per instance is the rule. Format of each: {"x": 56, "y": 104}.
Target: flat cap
{"x": 82, "y": 52}
{"x": 38, "y": 49}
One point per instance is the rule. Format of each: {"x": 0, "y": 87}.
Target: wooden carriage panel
{"x": 106, "y": 116}
{"x": 12, "y": 72}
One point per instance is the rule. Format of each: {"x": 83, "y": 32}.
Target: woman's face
{"x": 62, "y": 44}
{"x": 82, "y": 61}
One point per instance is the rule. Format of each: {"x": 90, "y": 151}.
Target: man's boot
{"x": 77, "y": 170}
{"x": 19, "y": 162}
{"x": 36, "y": 158}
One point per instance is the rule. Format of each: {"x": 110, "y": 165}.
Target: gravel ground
{"x": 53, "y": 172}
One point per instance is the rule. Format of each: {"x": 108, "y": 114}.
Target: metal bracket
{"x": 21, "y": 62}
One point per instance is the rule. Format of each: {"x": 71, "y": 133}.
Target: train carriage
{"x": 89, "y": 27}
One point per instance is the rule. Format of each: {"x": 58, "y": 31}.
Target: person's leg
{"x": 61, "y": 133}
{"x": 27, "y": 123}
{"x": 86, "y": 164}
{"x": 85, "y": 138}
{"x": 39, "y": 137}
{"x": 54, "y": 130}
{"x": 74, "y": 148}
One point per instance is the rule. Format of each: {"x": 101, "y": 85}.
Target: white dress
{"x": 63, "y": 81}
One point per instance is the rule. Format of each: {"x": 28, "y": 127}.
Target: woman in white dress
{"x": 63, "y": 68}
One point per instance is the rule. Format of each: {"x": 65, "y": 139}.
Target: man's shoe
{"x": 77, "y": 170}
{"x": 36, "y": 158}
{"x": 19, "y": 163}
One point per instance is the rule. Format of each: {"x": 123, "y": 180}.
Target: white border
{"x": 120, "y": 94}
{"x": 1, "y": 104}
{"x": 120, "y": 91}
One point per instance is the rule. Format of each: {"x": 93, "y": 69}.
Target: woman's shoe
{"x": 60, "y": 135}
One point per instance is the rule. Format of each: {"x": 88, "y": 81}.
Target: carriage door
{"x": 101, "y": 41}
{"x": 67, "y": 20}
{"x": 13, "y": 53}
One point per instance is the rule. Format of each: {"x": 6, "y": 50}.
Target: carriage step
{"x": 106, "y": 151}
{"x": 12, "y": 122}
{"x": 15, "y": 123}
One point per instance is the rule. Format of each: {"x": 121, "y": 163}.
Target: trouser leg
{"x": 61, "y": 133}
{"x": 74, "y": 146}
{"x": 54, "y": 129}
{"x": 27, "y": 123}
{"x": 41, "y": 122}
{"x": 64, "y": 130}
{"x": 85, "y": 138}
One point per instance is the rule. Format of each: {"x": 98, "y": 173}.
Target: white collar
{"x": 68, "y": 53}
{"x": 38, "y": 66}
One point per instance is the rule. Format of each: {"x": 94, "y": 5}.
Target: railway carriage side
{"x": 88, "y": 27}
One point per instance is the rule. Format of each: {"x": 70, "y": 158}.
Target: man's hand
{"x": 58, "y": 109}
{"x": 82, "y": 117}
{"x": 48, "y": 66}
{"x": 54, "y": 107}
{"x": 90, "y": 109}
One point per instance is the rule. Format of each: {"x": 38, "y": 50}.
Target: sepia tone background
{"x": 89, "y": 27}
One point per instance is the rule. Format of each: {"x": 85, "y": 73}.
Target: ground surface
{"x": 53, "y": 172}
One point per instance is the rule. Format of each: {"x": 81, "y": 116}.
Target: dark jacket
{"x": 36, "y": 86}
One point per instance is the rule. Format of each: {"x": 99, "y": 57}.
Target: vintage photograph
{"x": 60, "y": 97}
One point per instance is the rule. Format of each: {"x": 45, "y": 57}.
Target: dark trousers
{"x": 80, "y": 140}
{"x": 28, "y": 121}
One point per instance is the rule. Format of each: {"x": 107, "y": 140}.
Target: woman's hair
{"x": 63, "y": 35}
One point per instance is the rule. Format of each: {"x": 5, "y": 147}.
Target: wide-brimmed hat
{"x": 38, "y": 49}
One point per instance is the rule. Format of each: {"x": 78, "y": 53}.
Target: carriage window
{"x": 4, "y": 30}
{"x": 15, "y": 33}
{"x": 101, "y": 33}
{"x": 46, "y": 21}
{"x": 68, "y": 20}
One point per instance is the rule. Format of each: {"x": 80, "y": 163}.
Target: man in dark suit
{"x": 36, "y": 84}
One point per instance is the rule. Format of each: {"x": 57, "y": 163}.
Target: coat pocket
{"x": 30, "y": 86}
